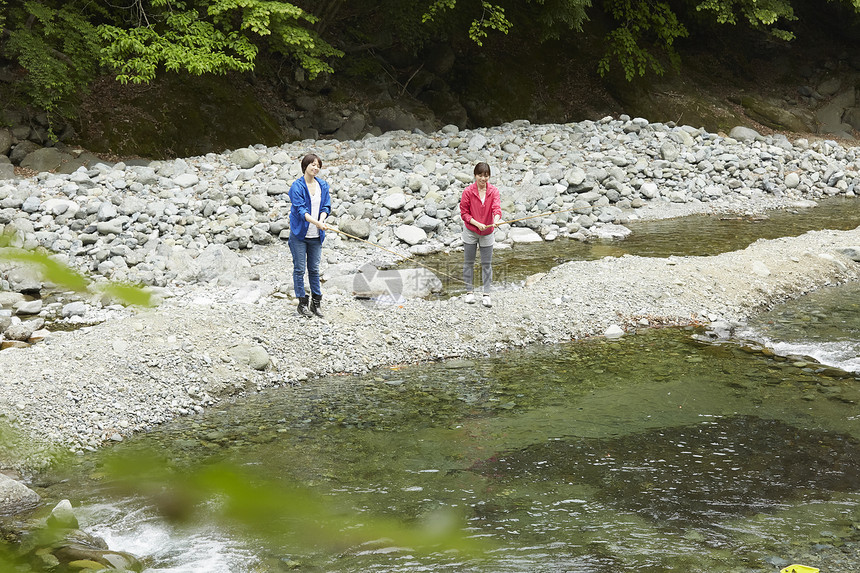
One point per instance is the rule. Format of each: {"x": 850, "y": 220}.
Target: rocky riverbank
{"x": 206, "y": 233}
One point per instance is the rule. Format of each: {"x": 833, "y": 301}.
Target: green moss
{"x": 176, "y": 116}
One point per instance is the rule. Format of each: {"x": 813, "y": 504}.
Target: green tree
{"x": 644, "y": 31}
{"x": 210, "y": 36}
{"x": 62, "y": 46}
{"x": 55, "y": 43}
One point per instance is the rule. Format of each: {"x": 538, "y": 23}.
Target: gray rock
{"x": 7, "y": 170}
{"x": 245, "y": 158}
{"x": 15, "y": 497}
{"x": 24, "y": 330}
{"x": 31, "y": 205}
{"x": 523, "y": 235}
{"x": 669, "y": 151}
{"x": 829, "y": 86}
{"x": 57, "y": 207}
{"x": 21, "y": 150}
{"x": 428, "y": 223}
{"x": 63, "y": 516}
{"x": 45, "y": 159}
{"x": 742, "y": 133}
{"x": 394, "y": 201}
{"x": 76, "y": 308}
{"x": 410, "y": 234}
{"x": 393, "y": 119}
{"x": 24, "y": 279}
{"x": 357, "y": 227}
{"x": 8, "y": 299}
{"x": 5, "y": 141}
{"x": 852, "y": 253}
{"x": 477, "y": 142}
{"x": 277, "y": 188}
{"x": 252, "y": 355}
{"x": 186, "y": 180}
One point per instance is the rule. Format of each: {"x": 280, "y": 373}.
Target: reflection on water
{"x": 651, "y": 453}
{"x": 695, "y": 475}
{"x": 696, "y": 235}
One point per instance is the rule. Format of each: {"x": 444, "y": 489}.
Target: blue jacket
{"x": 300, "y": 199}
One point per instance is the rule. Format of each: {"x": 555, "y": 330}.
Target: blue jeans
{"x": 306, "y": 255}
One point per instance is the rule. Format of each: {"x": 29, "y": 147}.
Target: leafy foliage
{"x": 214, "y": 36}
{"x": 275, "y": 511}
{"x": 759, "y": 14}
{"x": 56, "y": 44}
{"x": 639, "y": 20}
{"x": 492, "y": 17}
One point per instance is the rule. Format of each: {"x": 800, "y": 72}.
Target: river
{"x": 659, "y": 451}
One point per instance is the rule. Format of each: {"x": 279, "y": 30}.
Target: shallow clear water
{"x": 652, "y": 453}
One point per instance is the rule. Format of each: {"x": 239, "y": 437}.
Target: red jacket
{"x": 472, "y": 208}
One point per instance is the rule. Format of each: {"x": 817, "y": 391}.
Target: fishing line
{"x": 413, "y": 260}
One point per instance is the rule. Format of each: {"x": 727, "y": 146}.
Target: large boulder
{"x": 356, "y": 227}
{"x": 410, "y": 234}
{"x": 7, "y": 170}
{"x": 5, "y": 141}
{"x": 21, "y": 150}
{"x": 775, "y": 115}
{"x": 742, "y": 133}
{"x": 352, "y": 128}
{"x": 245, "y": 158}
{"x": 15, "y": 497}
{"x": 45, "y": 159}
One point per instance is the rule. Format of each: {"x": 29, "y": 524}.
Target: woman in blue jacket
{"x": 311, "y": 204}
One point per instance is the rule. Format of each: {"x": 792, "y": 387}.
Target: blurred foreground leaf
{"x": 64, "y": 276}
{"x": 280, "y": 513}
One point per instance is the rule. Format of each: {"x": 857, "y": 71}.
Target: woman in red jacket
{"x": 481, "y": 211}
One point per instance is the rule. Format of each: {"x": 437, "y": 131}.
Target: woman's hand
{"x": 322, "y": 226}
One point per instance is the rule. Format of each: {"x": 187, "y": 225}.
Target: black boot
{"x": 303, "y": 307}
{"x": 316, "y": 299}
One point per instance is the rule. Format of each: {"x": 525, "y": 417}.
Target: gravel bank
{"x": 210, "y": 338}
{"x": 140, "y": 368}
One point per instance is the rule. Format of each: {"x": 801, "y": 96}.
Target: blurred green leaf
{"x": 275, "y": 511}
{"x": 66, "y": 277}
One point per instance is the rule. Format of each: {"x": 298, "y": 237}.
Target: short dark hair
{"x": 308, "y": 159}
{"x": 482, "y": 169}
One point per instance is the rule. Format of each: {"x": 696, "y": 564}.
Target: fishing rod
{"x": 404, "y": 257}
{"x": 533, "y": 217}
{"x": 413, "y": 260}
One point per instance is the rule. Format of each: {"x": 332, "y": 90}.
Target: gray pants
{"x": 471, "y": 241}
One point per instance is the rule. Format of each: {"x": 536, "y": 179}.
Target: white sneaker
{"x": 470, "y": 298}
{"x": 485, "y": 300}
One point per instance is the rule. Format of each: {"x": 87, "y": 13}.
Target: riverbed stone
{"x": 524, "y": 235}
{"x": 15, "y": 497}
{"x": 742, "y": 133}
{"x": 410, "y": 234}
{"x": 852, "y": 252}
{"x": 245, "y": 158}
{"x": 394, "y": 201}
{"x": 28, "y": 307}
{"x": 252, "y": 355}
